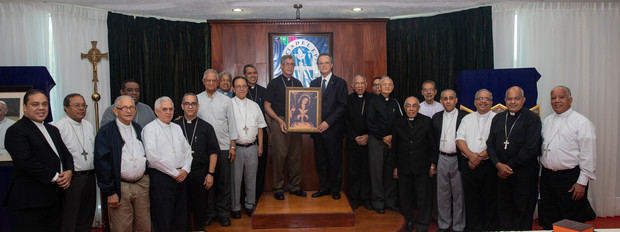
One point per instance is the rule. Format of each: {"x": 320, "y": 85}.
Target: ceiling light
{"x": 357, "y": 9}
{"x": 237, "y": 10}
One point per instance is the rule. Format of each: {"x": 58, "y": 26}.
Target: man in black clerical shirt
{"x": 357, "y": 143}
{"x": 382, "y": 111}
{"x": 201, "y": 137}
{"x": 415, "y": 152}
{"x": 286, "y": 146}
{"x": 257, "y": 93}
{"x": 513, "y": 146}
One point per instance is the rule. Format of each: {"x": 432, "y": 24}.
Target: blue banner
{"x": 305, "y": 49}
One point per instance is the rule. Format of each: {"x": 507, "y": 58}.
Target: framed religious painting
{"x": 13, "y": 97}
{"x": 305, "y": 49}
{"x": 303, "y": 109}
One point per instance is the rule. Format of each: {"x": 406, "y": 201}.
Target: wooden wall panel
{"x": 359, "y": 47}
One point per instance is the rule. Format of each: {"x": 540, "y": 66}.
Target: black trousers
{"x": 555, "y": 201}
{"x": 359, "y": 173}
{"x": 39, "y": 219}
{"x": 516, "y": 198}
{"x": 198, "y": 197}
{"x": 168, "y": 202}
{"x": 328, "y": 156}
{"x": 480, "y": 197}
{"x": 220, "y": 196}
{"x": 262, "y": 165}
{"x": 79, "y": 205}
{"x": 416, "y": 189}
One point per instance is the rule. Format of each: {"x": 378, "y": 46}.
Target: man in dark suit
{"x": 415, "y": 153}
{"x": 450, "y": 198}
{"x": 328, "y": 143}
{"x": 43, "y": 167}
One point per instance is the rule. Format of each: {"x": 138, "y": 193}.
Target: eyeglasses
{"x": 126, "y": 108}
{"x": 78, "y": 105}
{"x": 193, "y": 104}
{"x": 484, "y": 99}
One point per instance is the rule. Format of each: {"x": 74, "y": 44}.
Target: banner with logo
{"x": 305, "y": 49}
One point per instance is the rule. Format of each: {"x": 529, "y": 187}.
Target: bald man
{"x": 415, "y": 150}
{"x": 513, "y": 146}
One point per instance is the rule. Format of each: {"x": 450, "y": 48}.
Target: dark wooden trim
{"x": 295, "y": 21}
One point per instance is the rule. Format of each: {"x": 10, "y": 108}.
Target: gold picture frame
{"x": 303, "y": 109}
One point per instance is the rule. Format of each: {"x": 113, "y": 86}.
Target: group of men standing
{"x": 154, "y": 172}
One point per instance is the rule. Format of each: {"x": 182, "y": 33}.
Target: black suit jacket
{"x": 35, "y": 165}
{"x": 333, "y": 102}
{"x": 413, "y": 145}
{"x": 108, "y": 151}
{"x": 437, "y": 124}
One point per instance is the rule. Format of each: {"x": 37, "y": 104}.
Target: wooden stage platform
{"x": 311, "y": 214}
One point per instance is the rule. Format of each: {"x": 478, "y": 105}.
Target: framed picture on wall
{"x": 303, "y": 109}
{"x": 13, "y": 96}
{"x": 305, "y": 49}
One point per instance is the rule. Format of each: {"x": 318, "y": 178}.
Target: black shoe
{"x": 235, "y": 214}
{"x": 208, "y": 221}
{"x": 278, "y": 196}
{"x": 368, "y": 206}
{"x": 354, "y": 204}
{"x": 319, "y": 194}
{"x": 336, "y": 196}
{"x": 394, "y": 208}
{"x": 299, "y": 193}
{"x": 249, "y": 211}
{"x": 225, "y": 221}
{"x": 380, "y": 211}
{"x": 409, "y": 225}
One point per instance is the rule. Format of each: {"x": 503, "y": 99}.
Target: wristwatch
{"x": 211, "y": 173}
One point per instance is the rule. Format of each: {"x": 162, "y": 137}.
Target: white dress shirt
{"x": 166, "y": 147}
{"x": 329, "y": 77}
{"x": 569, "y": 140}
{"x": 4, "y": 124}
{"x": 133, "y": 159}
{"x": 247, "y": 115}
{"x": 218, "y": 111}
{"x": 430, "y": 109}
{"x": 447, "y": 141}
{"x": 474, "y": 130}
{"x": 79, "y": 137}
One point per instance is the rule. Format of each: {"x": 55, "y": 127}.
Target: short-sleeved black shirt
{"x": 276, "y": 93}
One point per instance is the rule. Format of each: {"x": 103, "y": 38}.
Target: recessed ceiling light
{"x": 237, "y": 10}
{"x": 357, "y": 9}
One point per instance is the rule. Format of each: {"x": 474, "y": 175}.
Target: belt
{"x": 135, "y": 181}
{"x": 83, "y": 173}
{"x": 564, "y": 171}
{"x": 247, "y": 145}
{"x": 448, "y": 154}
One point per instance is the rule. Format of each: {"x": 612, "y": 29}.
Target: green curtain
{"x": 168, "y": 58}
{"x": 437, "y": 48}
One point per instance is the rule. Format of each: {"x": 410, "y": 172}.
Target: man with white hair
{"x": 169, "y": 157}
{"x": 5, "y": 123}
{"x": 568, "y": 160}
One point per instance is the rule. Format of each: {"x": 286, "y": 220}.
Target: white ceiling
{"x": 276, "y": 9}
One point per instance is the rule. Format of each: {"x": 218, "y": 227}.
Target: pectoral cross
{"x": 246, "y": 130}
{"x": 506, "y": 144}
{"x": 444, "y": 141}
{"x": 85, "y": 154}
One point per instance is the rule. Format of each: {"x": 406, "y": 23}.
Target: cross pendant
{"x": 246, "y": 130}
{"x": 85, "y": 154}
{"x": 506, "y": 144}
{"x": 444, "y": 140}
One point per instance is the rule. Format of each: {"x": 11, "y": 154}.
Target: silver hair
{"x": 520, "y": 91}
{"x": 219, "y": 76}
{"x": 385, "y": 77}
{"x": 447, "y": 90}
{"x": 359, "y": 76}
{"x": 3, "y": 103}
{"x": 162, "y": 99}
{"x": 118, "y": 99}
{"x": 483, "y": 90}
{"x": 563, "y": 87}
{"x": 211, "y": 71}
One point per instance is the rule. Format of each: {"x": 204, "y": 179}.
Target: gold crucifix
{"x": 94, "y": 56}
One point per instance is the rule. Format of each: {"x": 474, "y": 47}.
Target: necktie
{"x": 324, "y": 85}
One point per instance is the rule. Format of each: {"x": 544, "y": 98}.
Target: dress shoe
{"x": 380, "y": 211}
{"x": 368, "y": 206}
{"x": 409, "y": 225}
{"x": 208, "y": 221}
{"x": 336, "y": 196}
{"x": 278, "y": 196}
{"x": 235, "y": 214}
{"x": 299, "y": 193}
{"x": 249, "y": 211}
{"x": 394, "y": 208}
{"x": 225, "y": 221}
{"x": 319, "y": 194}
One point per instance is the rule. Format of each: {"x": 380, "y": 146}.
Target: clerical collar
{"x": 566, "y": 113}
{"x": 163, "y": 123}
{"x": 360, "y": 96}
{"x": 252, "y": 87}
{"x": 453, "y": 112}
{"x": 73, "y": 121}
{"x": 411, "y": 119}
{"x": 189, "y": 121}
{"x": 512, "y": 113}
{"x": 485, "y": 114}
{"x": 121, "y": 124}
